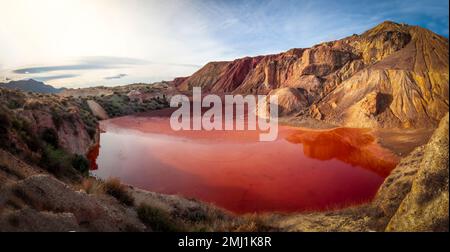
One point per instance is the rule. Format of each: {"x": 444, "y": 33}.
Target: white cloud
{"x": 52, "y": 32}
{"x": 174, "y": 36}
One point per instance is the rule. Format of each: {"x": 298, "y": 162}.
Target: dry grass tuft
{"x": 92, "y": 186}
{"x": 158, "y": 219}
{"x": 115, "y": 188}
{"x": 253, "y": 223}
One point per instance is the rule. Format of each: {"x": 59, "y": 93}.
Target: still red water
{"x": 302, "y": 170}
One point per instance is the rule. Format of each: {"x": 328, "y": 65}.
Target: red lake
{"x": 303, "y": 170}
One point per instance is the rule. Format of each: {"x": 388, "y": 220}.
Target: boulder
{"x": 135, "y": 96}
{"x": 289, "y": 101}
{"x": 55, "y": 201}
{"x": 97, "y": 110}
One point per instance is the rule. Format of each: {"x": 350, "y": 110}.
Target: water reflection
{"x": 352, "y": 146}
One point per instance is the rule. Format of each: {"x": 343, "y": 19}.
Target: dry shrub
{"x": 92, "y": 186}
{"x": 157, "y": 219}
{"x": 114, "y": 188}
{"x": 253, "y": 223}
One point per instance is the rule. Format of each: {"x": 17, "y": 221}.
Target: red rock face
{"x": 264, "y": 73}
{"x": 235, "y": 73}
{"x": 206, "y": 77}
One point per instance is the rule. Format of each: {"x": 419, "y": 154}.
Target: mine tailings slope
{"x": 391, "y": 76}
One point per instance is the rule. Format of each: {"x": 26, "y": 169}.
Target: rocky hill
{"x": 123, "y": 100}
{"x": 38, "y": 126}
{"x": 31, "y": 86}
{"x": 30, "y": 114}
{"x": 44, "y": 182}
{"x": 393, "y": 75}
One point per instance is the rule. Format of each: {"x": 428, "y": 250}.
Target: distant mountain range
{"x": 31, "y": 86}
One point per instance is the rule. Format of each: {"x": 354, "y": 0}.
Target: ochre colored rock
{"x": 412, "y": 79}
{"x": 54, "y": 205}
{"x": 289, "y": 101}
{"x": 395, "y": 188}
{"x": 97, "y": 110}
{"x": 426, "y": 206}
{"x": 315, "y": 112}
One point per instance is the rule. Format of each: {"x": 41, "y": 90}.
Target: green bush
{"x": 56, "y": 161}
{"x": 81, "y": 164}
{"x": 57, "y": 119}
{"x": 17, "y": 124}
{"x": 50, "y": 136}
{"x": 157, "y": 219}
{"x": 91, "y": 131}
{"x": 33, "y": 105}
{"x": 14, "y": 104}
{"x": 63, "y": 164}
{"x": 21, "y": 125}
{"x": 31, "y": 141}
{"x": 5, "y": 122}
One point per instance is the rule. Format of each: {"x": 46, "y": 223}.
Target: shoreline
{"x": 334, "y": 208}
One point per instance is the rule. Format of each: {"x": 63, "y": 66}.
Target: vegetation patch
{"x": 92, "y": 186}
{"x": 56, "y": 160}
{"x": 57, "y": 119}
{"x": 119, "y": 191}
{"x": 5, "y": 124}
{"x": 50, "y": 136}
{"x": 157, "y": 219}
{"x": 81, "y": 164}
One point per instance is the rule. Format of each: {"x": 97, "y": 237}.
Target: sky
{"x": 81, "y": 43}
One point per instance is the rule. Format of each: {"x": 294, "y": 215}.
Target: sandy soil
{"x": 402, "y": 141}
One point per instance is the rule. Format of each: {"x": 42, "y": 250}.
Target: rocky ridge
{"x": 393, "y": 75}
